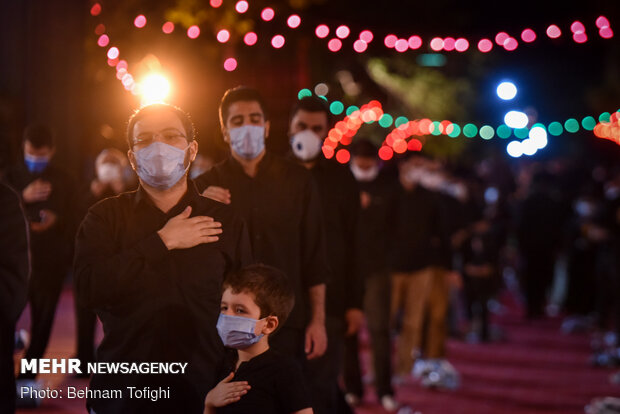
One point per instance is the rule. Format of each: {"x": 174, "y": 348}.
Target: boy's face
{"x": 243, "y": 304}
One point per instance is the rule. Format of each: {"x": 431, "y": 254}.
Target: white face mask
{"x": 432, "y": 181}
{"x": 364, "y": 175}
{"x": 414, "y": 175}
{"x": 247, "y": 141}
{"x": 108, "y": 172}
{"x": 306, "y": 145}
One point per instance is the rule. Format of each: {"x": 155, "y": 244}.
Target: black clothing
{"x": 155, "y": 304}
{"x": 340, "y": 201}
{"x": 282, "y": 209}
{"x": 51, "y": 251}
{"x": 277, "y": 385}
{"x": 419, "y": 231}
{"x": 14, "y": 269}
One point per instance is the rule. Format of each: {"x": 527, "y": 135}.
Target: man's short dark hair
{"x": 39, "y": 136}
{"x": 240, "y": 93}
{"x": 363, "y": 147}
{"x": 155, "y": 108}
{"x": 312, "y": 104}
{"x": 271, "y": 289}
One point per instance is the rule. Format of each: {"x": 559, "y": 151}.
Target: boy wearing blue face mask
{"x": 255, "y": 302}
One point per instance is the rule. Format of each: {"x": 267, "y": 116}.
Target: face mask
{"x": 414, "y": 175}
{"x": 458, "y": 191}
{"x": 364, "y": 175}
{"x": 431, "y": 181}
{"x": 36, "y": 164}
{"x": 236, "y": 331}
{"x": 161, "y": 165}
{"x": 247, "y": 141}
{"x": 306, "y": 145}
{"x": 108, "y": 172}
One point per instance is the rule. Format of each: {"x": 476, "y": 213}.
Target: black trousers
{"x": 538, "y": 277}
{"x": 377, "y": 310}
{"x": 86, "y": 321}
{"x": 7, "y": 373}
{"x": 44, "y": 289}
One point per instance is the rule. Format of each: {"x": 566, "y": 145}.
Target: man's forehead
{"x": 244, "y": 107}
{"x": 159, "y": 121}
{"x": 311, "y": 118}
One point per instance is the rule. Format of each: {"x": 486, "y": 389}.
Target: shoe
{"x": 352, "y": 399}
{"x": 421, "y": 367}
{"x": 22, "y": 340}
{"x": 389, "y": 403}
{"x": 30, "y": 399}
{"x": 443, "y": 376}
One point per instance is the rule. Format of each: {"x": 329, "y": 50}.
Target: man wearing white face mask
{"x": 281, "y": 206}
{"x": 150, "y": 263}
{"x": 308, "y": 128}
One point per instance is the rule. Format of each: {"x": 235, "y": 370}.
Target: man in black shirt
{"x": 151, "y": 264}
{"x": 281, "y": 206}
{"x": 14, "y": 270}
{"x": 308, "y": 128}
{"x": 47, "y": 195}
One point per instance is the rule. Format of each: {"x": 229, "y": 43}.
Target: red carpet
{"x": 536, "y": 369}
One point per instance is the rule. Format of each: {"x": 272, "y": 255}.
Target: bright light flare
{"x": 154, "y": 88}
{"x": 506, "y": 91}
{"x": 516, "y": 119}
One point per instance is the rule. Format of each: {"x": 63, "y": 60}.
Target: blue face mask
{"x": 237, "y": 332}
{"x": 161, "y": 165}
{"x": 247, "y": 141}
{"x": 36, "y": 164}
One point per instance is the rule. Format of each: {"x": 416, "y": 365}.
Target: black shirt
{"x": 55, "y": 244}
{"x": 155, "y": 304}
{"x": 419, "y": 231}
{"x": 340, "y": 200}
{"x": 282, "y": 209}
{"x": 277, "y": 386}
{"x": 14, "y": 263}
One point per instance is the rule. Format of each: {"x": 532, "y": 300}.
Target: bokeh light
{"x": 521, "y": 132}
{"x": 414, "y": 145}
{"x": 514, "y": 149}
{"x": 485, "y": 45}
{"x": 571, "y": 125}
{"x": 223, "y": 36}
{"x": 154, "y": 88}
{"x": 267, "y": 14}
{"x": 606, "y": 33}
{"x": 366, "y": 36}
{"x": 529, "y": 147}
{"x": 193, "y": 32}
{"x": 96, "y": 10}
{"x": 604, "y": 117}
{"x": 501, "y": 38}
{"x": 516, "y": 119}
{"x": 334, "y": 45}
{"x": 601, "y": 22}
{"x": 343, "y": 32}
{"x": 113, "y": 52}
{"x": 321, "y": 89}
{"x": 528, "y": 35}
{"x": 250, "y": 38}
{"x": 242, "y": 6}
{"x": 386, "y": 153}
{"x": 100, "y": 29}
{"x": 386, "y": 120}
{"x": 293, "y": 21}
{"x": 216, "y": 3}
{"x": 580, "y": 37}
{"x": 360, "y": 46}
{"x": 352, "y": 109}
{"x": 461, "y": 44}
{"x": 577, "y": 27}
{"x": 506, "y": 90}
{"x": 538, "y": 136}
{"x": 277, "y": 41}
{"x": 322, "y": 31}
{"x": 414, "y": 42}
{"x": 511, "y": 44}
{"x": 230, "y": 64}
{"x": 304, "y": 93}
{"x": 503, "y": 131}
{"x": 140, "y": 21}
{"x": 470, "y": 130}
{"x": 103, "y": 40}
{"x": 437, "y": 44}
{"x": 448, "y": 44}
{"x": 167, "y": 27}
{"x": 390, "y": 40}
{"x": 336, "y": 107}
{"x": 555, "y": 128}
{"x": 487, "y": 132}
{"x": 553, "y": 31}
{"x": 401, "y": 45}
{"x": 343, "y": 156}
{"x": 401, "y": 120}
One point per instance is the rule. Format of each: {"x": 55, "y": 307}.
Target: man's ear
{"x": 267, "y": 125}
{"x": 271, "y": 324}
{"x": 132, "y": 159}
{"x": 193, "y": 150}
{"x": 225, "y": 134}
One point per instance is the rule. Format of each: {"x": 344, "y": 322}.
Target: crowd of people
{"x": 260, "y": 271}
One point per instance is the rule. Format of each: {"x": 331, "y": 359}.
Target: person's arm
{"x": 14, "y": 257}
{"x": 315, "y": 270}
{"x": 304, "y": 411}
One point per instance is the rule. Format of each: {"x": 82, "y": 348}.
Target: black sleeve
{"x": 292, "y": 392}
{"x": 314, "y": 266}
{"x": 243, "y": 250}
{"x": 103, "y": 275}
{"x": 14, "y": 256}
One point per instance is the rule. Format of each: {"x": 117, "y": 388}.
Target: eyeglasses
{"x": 173, "y": 138}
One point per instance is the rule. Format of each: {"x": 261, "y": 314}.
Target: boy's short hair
{"x": 364, "y": 147}
{"x": 39, "y": 136}
{"x": 312, "y": 104}
{"x": 155, "y": 108}
{"x": 237, "y": 94}
{"x": 271, "y": 288}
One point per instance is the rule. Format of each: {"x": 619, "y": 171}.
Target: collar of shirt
{"x": 143, "y": 200}
{"x": 263, "y": 165}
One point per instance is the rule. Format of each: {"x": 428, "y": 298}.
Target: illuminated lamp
{"x": 503, "y": 131}
{"x": 487, "y": 132}
{"x": 140, "y": 21}
{"x": 336, "y": 107}
{"x": 334, "y": 45}
{"x": 328, "y": 152}
{"x": 414, "y": 145}
{"x": 453, "y": 130}
{"x": 386, "y": 153}
{"x": 100, "y": 29}
{"x": 555, "y": 129}
{"x": 449, "y": 44}
{"x": 193, "y": 32}
{"x": 366, "y": 36}
{"x": 461, "y": 45}
{"x": 103, "y": 40}
{"x": 580, "y": 37}
{"x": 400, "y": 146}
{"x": 390, "y": 40}
{"x": 437, "y": 44}
{"x": 267, "y": 14}
{"x": 414, "y": 42}
{"x": 215, "y": 3}
{"x": 277, "y": 41}
{"x": 470, "y": 130}
{"x": 113, "y": 52}
{"x": 401, "y": 45}
{"x": 242, "y": 6}
{"x": 360, "y": 46}
{"x": 343, "y": 156}
{"x": 96, "y": 10}
{"x": 485, "y": 45}
{"x": 230, "y": 64}
{"x": 293, "y": 21}
{"x": 577, "y": 27}
{"x": 223, "y": 36}
{"x": 321, "y": 31}
{"x": 571, "y": 125}
{"x": 304, "y": 93}
{"x": 506, "y": 91}
{"x": 553, "y": 31}
{"x": 500, "y": 38}
{"x": 386, "y": 120}
{"x": 606, "y": 33}
{"x": 343, "y": 32}
{"x": 514, "y": 149}
{"x": 601, "y": 22}
{"x": 167, "y": 27}
{"x": 511, "y": 44}
{"x": 528, "y": 36}
{"x": 250, "y": 38}
{"x": 516, "y": 119}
